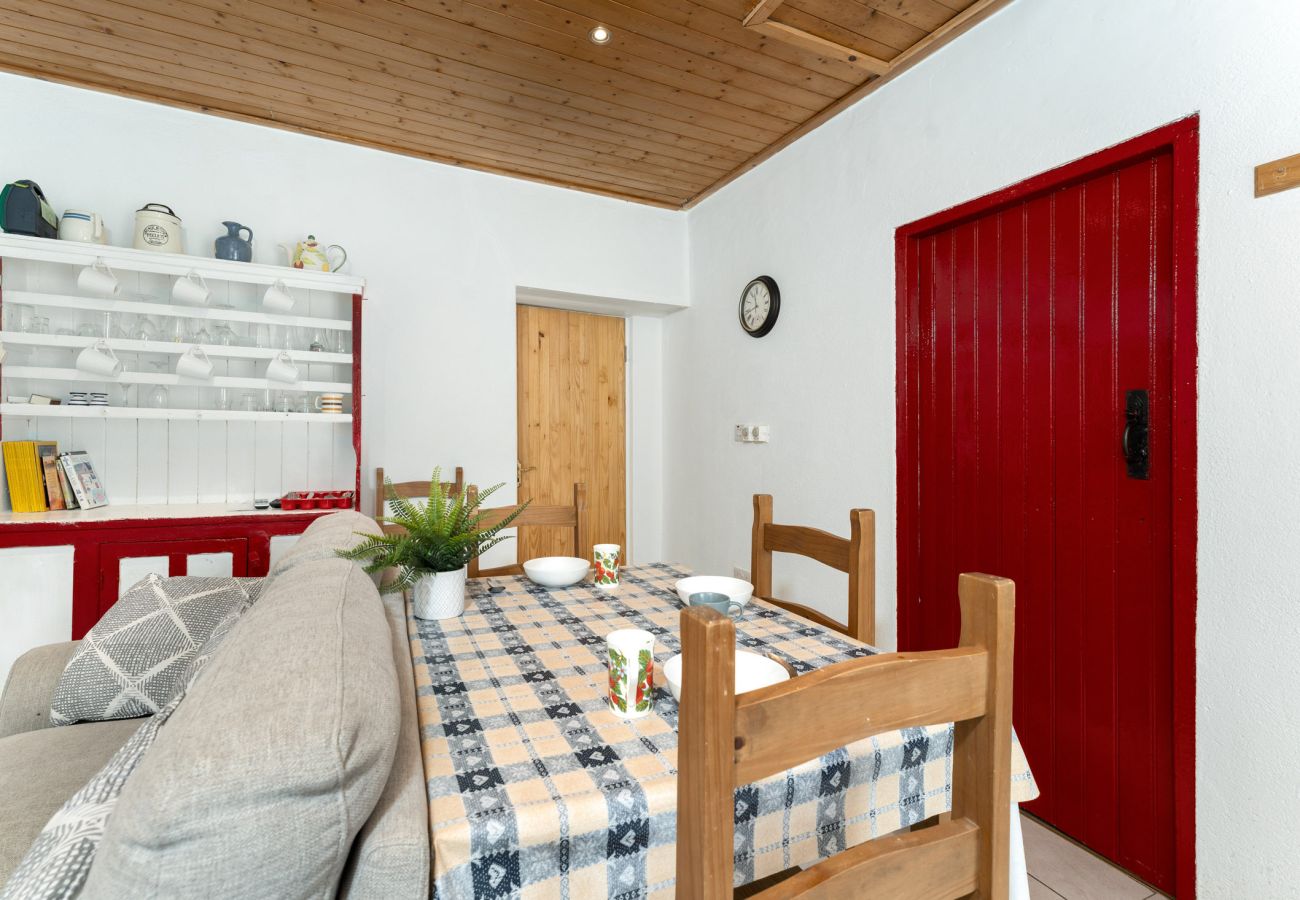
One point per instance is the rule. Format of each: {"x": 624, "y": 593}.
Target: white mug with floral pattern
{"x": 606, "y": 559}
{"x": 631, "y": 659}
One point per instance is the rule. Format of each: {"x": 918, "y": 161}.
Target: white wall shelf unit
{"x": 15, "y": 246}
{"x": 127, "y": 305}
{"x": 125, "y": 345}
{"x": 46, "y": 373}
{"x": 30, "y": 411}
{"x": 205, "y": 446}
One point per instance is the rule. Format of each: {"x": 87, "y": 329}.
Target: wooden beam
{"x": 762, "y": 9}
{"x": 820, "y": 45}
{"x": 956, "y": 26}
{"x": 1278, "y": 175}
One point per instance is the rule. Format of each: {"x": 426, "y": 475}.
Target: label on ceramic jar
{"x": 155, "y": 235}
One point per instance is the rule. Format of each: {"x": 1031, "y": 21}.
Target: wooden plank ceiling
{"x": 685, "y": 96}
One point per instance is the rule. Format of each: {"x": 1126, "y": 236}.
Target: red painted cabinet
{"x": 123, "y": 564}
{"x": 108, "y": 556}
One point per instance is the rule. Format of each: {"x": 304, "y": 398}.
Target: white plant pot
{"x": 440, "y": 595}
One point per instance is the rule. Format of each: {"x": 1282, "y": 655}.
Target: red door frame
{"x": 1181, "y": 138}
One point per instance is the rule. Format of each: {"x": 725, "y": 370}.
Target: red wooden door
{"x": 1028, "y": 321}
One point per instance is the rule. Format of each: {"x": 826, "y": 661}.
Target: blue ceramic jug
{"x": 232, "y": 246}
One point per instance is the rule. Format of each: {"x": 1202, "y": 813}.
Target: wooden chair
{"x": 534, "y": 516}
{"x": 409, "y": 490}
{"x": 856, "y": 556}
{"x": 725, "y": 741}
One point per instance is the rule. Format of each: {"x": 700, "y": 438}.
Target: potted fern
{"x": 431, "y": 553}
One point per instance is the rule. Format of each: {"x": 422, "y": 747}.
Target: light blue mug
{"x": 719, "y": 602}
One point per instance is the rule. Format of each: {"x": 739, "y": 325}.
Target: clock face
{"x": 760, "y": 302}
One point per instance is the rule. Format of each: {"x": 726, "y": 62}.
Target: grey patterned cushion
{"x": 56, "y": 865}
{"x": 135, "y": 658}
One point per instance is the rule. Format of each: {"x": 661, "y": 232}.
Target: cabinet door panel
{"x": 131, "y": 569}
{"x": 209, "y": 556}
{"x": 36, "y": 602}
{"x": 210, "y": 565}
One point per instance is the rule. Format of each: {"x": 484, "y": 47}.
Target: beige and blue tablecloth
{"x": 537, "y": 790}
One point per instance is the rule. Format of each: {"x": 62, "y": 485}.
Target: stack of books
{"x": 41, "y": 478}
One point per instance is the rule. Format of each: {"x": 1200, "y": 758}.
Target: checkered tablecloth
{"x": 537, "y": 790}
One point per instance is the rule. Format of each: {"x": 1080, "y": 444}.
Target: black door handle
{"x": 1137, "y": 435}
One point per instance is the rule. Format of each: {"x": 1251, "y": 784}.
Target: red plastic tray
{"x": 317, "y": 500}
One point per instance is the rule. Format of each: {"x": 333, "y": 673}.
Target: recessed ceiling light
{"x": 600, "y": 35}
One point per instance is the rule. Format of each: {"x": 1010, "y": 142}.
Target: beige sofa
{"x": 291, "y": 769}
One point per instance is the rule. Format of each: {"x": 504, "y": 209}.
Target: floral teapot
{"x": 309, "y": 254}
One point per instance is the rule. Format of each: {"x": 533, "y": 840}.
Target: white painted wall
{"x": 443, "y": 249}
{"x": 1041, "y": 83}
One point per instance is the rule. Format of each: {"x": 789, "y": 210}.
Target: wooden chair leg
{"x": 981, "y": 774}
{"x": 862, "y": 576}
{"x": 760, "y": 559}
{"x": 706, "y": 742}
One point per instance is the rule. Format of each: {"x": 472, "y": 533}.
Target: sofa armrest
{"x": 25, "y": 703}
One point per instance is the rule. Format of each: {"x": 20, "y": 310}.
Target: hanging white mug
{"x": 277, "y": 298}
{"x": 99, "y": 359}
{"x": 194, "y": 363}
{"x": 191, "y": 290}
{"x": 98, "y": 278}
{"x": 282, "y": 368}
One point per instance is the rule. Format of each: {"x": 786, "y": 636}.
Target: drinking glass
{"x": 145, "y": 329}
{"x": 38, "y": 325}
{"x": 158, "y": 397}
{"x": 223, "y": 398}
{"x": 126, "y": 390}
{"x": 248, "y": 402}
{"x": 18, "y": 316}
{"x": 224, "y": 336}
{"x": 200, "y": 335}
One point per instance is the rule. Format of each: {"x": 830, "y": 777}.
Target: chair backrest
{"x": 409, "y": 490}
{"x": 725, "y": 742}
{"x": 855, "y": 555}
{"x": 574, "y": 517}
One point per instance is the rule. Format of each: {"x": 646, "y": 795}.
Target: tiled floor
{"x": 1059, "y": 869}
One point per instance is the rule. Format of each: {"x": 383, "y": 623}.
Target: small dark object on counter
{"x": 24, "y": 210}
{"x": 275, "y": 504}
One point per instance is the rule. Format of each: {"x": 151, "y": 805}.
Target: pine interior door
{"x": 572, "y": 408}
{"x": 1028, "y": 325}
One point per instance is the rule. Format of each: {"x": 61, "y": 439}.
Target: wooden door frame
{"x": 1181, "y": 138}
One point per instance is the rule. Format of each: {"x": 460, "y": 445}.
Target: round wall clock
{"x": 760, "y": 303}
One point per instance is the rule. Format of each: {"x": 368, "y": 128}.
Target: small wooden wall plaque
{"x": 1278, "y": 175}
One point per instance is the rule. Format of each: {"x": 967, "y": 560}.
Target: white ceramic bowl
{"x": 737, "y": 590}
{"x": 752, "y": 672}
{"x": 556, "y": 571}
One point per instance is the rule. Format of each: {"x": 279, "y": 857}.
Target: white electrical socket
{"x": 742, "y": 434}
{"x": 759, "y": 434}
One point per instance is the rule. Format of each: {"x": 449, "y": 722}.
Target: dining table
{"x": 537, "y": 790}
